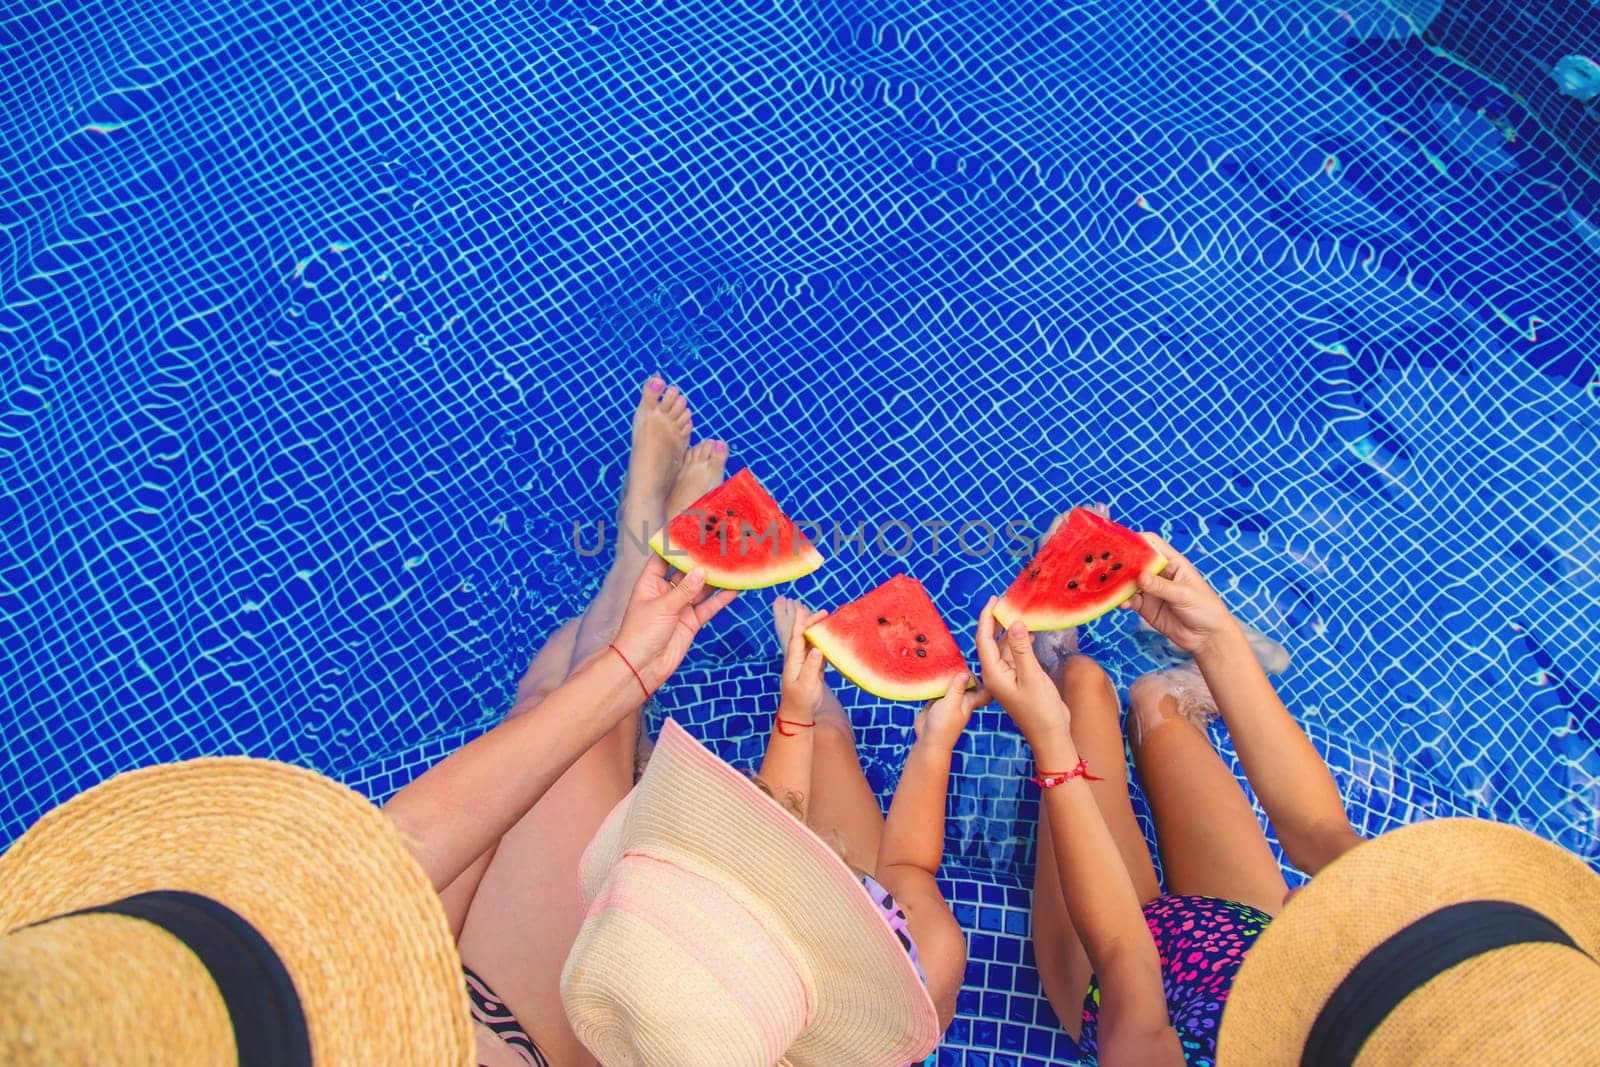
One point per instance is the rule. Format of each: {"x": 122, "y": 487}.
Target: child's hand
{"x": 802, "y": 686}
{"x": 1013, "y": 674}
{"x": 941, "y": 721}
{"x": 1179, "y": 604}
{"x": 662, "y": 619}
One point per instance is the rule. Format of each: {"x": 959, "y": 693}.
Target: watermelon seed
{"x": 922, "y": 652}
{"x": 1103, "y": 577}
{"x": 1116, "y": 566}
{"x": 1088, "y": 559}
{"x": 921, "y": 638}
{"x": 1072, "y": 585}
{"x": 882, "y": 621}
{"x": 1105, "y": 555}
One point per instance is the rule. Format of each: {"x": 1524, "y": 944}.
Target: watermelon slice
{"x": 1085, "y": 569}
{"x": 891, "y": 642}
{"x": 740, "y": 536}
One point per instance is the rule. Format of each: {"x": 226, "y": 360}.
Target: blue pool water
{"x": 318, "y": 324}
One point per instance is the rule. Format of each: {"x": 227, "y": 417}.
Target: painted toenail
{"x": 655, "y": 385}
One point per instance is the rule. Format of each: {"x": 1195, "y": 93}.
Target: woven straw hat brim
{"x": 1383, "y": 885}
{"x": 690, "y": 808}
{"x": 317, "y": 869}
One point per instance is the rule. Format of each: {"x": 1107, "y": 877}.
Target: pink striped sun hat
{"x": 722, "y": 931}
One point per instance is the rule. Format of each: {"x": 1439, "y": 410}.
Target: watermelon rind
{"x": 784, "y": 569}
{"x": 745, "y": 491}
{"x": 1041, "y": 619}
{"x": 865, "y": 676}
{"x": 839, "y": 652}
{"x": 1006, "y": 613}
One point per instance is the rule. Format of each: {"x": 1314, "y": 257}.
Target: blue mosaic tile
{"x": 317, "y": 324}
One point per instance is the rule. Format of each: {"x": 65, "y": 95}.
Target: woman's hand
{"x": 1180, "y": 605}
{"x": 802, "y": 687}
{"x": 941, "y": 721}
{"x": 662, "y": 619}
{"x": 1022, "y": 686}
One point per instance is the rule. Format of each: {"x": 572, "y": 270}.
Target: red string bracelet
{"x": 636, "y": 677}
{"x": 1051, "y": 779}
{"x": 782, "y": 722}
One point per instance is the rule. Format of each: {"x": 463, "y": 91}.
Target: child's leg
{"x": 527, "y": 910}
{"x": 1063, "y": 966}
{"x": 841, "y": 807}
{"x": 1211, "y": 843}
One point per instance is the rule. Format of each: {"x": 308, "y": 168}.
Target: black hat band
{"x": 269, "y": 1026}
{"x": 1410, "y": 958}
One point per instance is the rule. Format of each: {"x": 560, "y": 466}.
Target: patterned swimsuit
{"x": 491, "y": 1011}
{"x": 1201, "y": 941}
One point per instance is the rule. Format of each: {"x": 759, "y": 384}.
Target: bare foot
{"x": 1179, "y": 693}
{"x": 660, "y": 438}
{"x": 661, "y": 427}
{"x": 701, "y": 471}
{"x": 785, "y": 612}
{"x": 1052, "y": 647}
{"x": 1102, "y": 510}
{"x": 1272, "y": 656}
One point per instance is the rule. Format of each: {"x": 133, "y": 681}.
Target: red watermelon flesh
{"x": 891, "y": 642}
{"x": 1085, "y": 569}
{"x": 740, "y": 536}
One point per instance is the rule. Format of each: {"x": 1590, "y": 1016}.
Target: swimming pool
{"x": 320, "y": 322}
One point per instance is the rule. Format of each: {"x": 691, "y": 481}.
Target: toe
{"x": 651, "y": 392}
{"x": 672, "y": 401}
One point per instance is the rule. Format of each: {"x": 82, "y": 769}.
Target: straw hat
{"x": 221, "y": 911}
{"x": 721, "y": 931}
{"x": 1446, "y": 942}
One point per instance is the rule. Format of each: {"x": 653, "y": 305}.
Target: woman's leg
{"x": 1063, "y": 966}
{"x": 527, "y": 909}
{"x": 549, "y": 666}
{"x": 1211, "y": 843}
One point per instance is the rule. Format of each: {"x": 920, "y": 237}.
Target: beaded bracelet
{"x": 1051, "y": 779}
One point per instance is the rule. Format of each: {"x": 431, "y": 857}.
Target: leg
{"x": 1211, "y": 843}
{"x": 1063, "y": 966}
{"x": 527, "y": 909}
{"x": 549, "y": 666}
{"x": 842, "y": 808}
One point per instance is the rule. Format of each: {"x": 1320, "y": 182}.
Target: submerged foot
{"x": 785, "y": 610}
{"x": 1177, "y": 693}
{"x": 787, "y": 613}
{"x": 661, "y": 425}
{"x": 1272, "y": 656}
{"x": 1102, "y": 510}
{"x": 700, "y": 472}
{"x": 1052, "y": 647}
